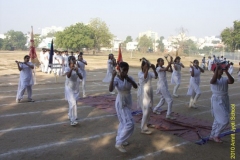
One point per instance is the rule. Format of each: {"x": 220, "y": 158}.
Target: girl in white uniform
{"x": 110, "y": 69}
{"x": 162, "y": 88}
{"x": 194, "y": 89}
{"x": 176, "y": 75}
{"x": 145, "y": 93}
{"x": 72, "y": 89}
{"x": 123, "y": 104}
{"x": 110, "y": 64}
{"x": 25, "y": 80}
{"x": 81, "y": 67}
{"x": 220, "y": 102}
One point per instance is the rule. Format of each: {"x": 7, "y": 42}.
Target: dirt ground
{"x": 41, "y": 130}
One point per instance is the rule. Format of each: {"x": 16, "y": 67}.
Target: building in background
{"x": 132, "y": 46}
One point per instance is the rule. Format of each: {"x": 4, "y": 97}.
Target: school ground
{"x": 41, "y": 130}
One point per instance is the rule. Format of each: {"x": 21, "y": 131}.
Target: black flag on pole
{"x": 51, "y": 55}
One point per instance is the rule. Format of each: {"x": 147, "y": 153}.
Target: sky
{"x": 125, "y": 17}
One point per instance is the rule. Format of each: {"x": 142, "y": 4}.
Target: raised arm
{"x": 154, "y": 70}
{"x": 19, "y": 68}
{"x": 230, "y": 78}
{"x": 134, "y": 84}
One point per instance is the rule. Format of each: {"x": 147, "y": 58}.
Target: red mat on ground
{"x": 189, "y": 128}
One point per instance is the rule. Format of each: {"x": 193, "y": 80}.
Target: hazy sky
{"x": 124, "y": 17}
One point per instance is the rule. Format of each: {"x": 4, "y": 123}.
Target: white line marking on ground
{"x": 56, "y": 144}
{"x": 235, "y": 87}
{"x": 53, "y": 124}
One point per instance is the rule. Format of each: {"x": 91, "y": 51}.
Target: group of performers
{"x": 75, "y": 72}
{"x": 212, "y": 61}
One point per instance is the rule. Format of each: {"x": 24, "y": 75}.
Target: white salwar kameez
{"x": 220, "y": 106}
{"x": 72, "y": 93}
{"x": 194, "y": 89}
{"x": 82, "y": 70}
{"x": 25, "y": 81}
{"x": 162, "y": 90}
{"x": 123, "y": 106}
{"x": 145, "y": 97}
{"x": 108, "y": 76}
{"x": 176, "y": 77}
{"x": 42, "y": 60}
{"x": 46, "y": 62}
{"x": 210, "y": 62}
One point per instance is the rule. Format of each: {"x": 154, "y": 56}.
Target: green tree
{"x": 1, "y": 43}
{"x": 14, "y": 40}
{"x": 102, "y": 35}
{"x": 145, "y": 43}
{"x": 75, "y": 37}
{"x": 231, "y": 36}
{"x": 189, "y": 46}
{"x": 128, "y": 39}
{"x": 160, "y": 44}
{"x": 37, "y": 39}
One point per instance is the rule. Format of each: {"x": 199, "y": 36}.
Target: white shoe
{"x": 170, "y": 117}
{"x": 74, "y": 123}
{"x": 146, "y": 132}
{"x": 157, "y": 112}
{"x": 18, "y": 100}
{"x": 193, "y": 106}
{"x": 112, "y": 92}
{"x": 84, "y": 96}
{"x": 175, "y": 95}
{"x": 120, "y": 148}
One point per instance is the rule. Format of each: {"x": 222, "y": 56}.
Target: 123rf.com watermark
{"x": 233, "y": 128}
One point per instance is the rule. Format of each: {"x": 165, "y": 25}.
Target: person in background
{"x": 162, "y": 88}
{"x": 81, "y": 66}
{"x": 25, "y": 80}
{"x": 194, "y": 86}
{"x": 145, "y": 93}
{"x": 176, "y": 75}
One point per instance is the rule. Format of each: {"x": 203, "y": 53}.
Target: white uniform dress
{"x": 25, "y": 81}
{"x": 72, "y": 93}
{"x": 108, "y": 76}
{"x": 46, "y": 61}
{"x": 220, "y": 106}
{"x": 145, "y": 97}
{"x": 210, "y": 62}
{"x": 82, "y": 70}
{"x": 194, "y": 83}
{"x": 123, "y": 106}
{"x": 193, "y": 88}
{"x": 162, "y": 90}
{"x": 230, "y": 69}
{"x": 42, "y": 60}
{"x": 176, "y": 75}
